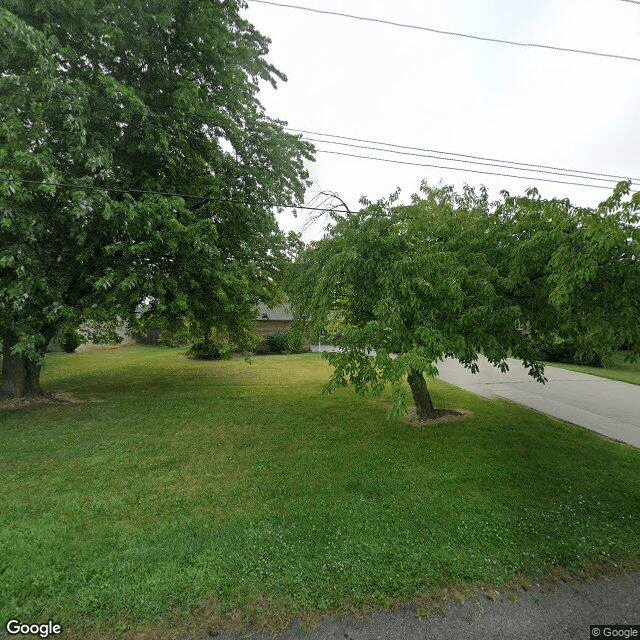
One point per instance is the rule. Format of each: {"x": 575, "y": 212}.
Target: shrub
{"x": 556, "y": 349}
{"x": 148, "y": 336}
{"x": 280, "y": 342}
{"x": 168, "y": 338}
{"x": 262, "y": 349}
{"x": 277, "y": 342}
{"x": 627, "y": 345}
{"x": 211, "y": 348}
{"x": 70, "y": 340}
{"x": 295, "y": 341}
{"x": 591, "y": 358}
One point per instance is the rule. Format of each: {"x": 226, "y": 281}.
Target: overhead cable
{"x": 214, "y": 199}
{"x": 451, "y": 33}
{"x": 526, "y": 165}
{"x": 477, "y": 162}
{"x": 490, "y": 173}
{"x": 500, "y": 163}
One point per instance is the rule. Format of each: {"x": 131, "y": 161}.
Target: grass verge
{"x": 618, "y": 370}
{"x": 234, "y": 491}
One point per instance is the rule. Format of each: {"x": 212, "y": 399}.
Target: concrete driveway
{"x": 608, "y": 407}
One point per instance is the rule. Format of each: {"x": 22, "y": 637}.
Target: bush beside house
{"x": 556, "y": 349}
{"x": 279, "y": 342}
{"x": 214, "y": 347}
{"x": 70, "y": 340}
{"x": 273, "y": 329}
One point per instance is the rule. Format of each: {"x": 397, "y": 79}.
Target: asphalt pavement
{"x": 566, "y": 614}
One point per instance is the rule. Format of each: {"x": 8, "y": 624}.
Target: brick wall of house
{"x": 265, "y": 327}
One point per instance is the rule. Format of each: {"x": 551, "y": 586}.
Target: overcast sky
{"x": 414, "y": 88}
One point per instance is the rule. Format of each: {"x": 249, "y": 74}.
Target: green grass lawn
{"x": 184, "y": 486}
{"x": 618, "y": 370}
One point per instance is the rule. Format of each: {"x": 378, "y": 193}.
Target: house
{"x": 268, "y": 320}
{"x": 273, "y": 319}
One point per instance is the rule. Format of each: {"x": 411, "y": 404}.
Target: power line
{"x": 88, "y": 187}
{"x": 483, "y": 164}
{"x": 631, "y": 1}
{"x": 206, "y": 199}
{"x": 92, "y": 187}
{"x": 526, "y": 165}
{"x": 293, "y": 206}
{"x": 451, "y": 33}
{"x": 501, "y": 163}
{"x": 490, "y": 173}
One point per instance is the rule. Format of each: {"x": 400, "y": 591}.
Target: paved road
{"x": 535, "y": 615}
{"x": 606, "y": 406}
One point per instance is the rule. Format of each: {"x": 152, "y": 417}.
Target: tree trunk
{"x": 22, "y": 376}
{"x": 32, "y": 377}
{"x": 424, "y": 406}
{"x": 13, "y": 369}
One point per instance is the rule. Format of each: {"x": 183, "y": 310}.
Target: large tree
{"x": 110, "y": 109}
{"x": 455, "y": 275}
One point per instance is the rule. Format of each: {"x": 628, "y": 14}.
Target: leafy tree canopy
{"x": 455, "y": 275}
{"x": 122, "y": 105}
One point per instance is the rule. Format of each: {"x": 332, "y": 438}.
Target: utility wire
{"x": 482, "y": 164}
{"x": 451, "y": 33}
{"x": 206, "y": 199}
{"x": 526, "y": 165}
{"x": 91, "y": 187}
{"x": 502, "y": 163}
{"x": 490, "y": 173}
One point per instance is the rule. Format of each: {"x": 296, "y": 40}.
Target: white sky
{"x": 415, "y": 88}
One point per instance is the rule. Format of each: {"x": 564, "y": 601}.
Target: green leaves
{"x": 453, "y": 275}
{"x": 122, "y": 98}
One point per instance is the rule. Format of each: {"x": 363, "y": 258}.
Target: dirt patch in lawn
{"x": 51, "y": 397}
{"x": 442, "y": 416}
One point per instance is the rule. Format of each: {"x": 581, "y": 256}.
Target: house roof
{"x": 283, "y": 312}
